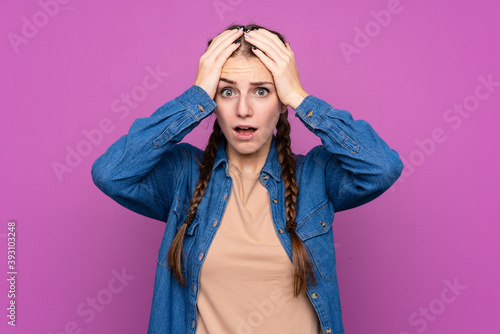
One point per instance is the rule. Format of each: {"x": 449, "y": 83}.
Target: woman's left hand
{"x": 280, "y": 61}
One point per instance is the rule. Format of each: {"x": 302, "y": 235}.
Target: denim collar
{"x": 271, "y": 167}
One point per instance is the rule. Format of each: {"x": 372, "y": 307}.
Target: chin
{"x": 245, "y": 148}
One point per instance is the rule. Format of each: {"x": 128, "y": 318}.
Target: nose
{"x": 243, "y": 109}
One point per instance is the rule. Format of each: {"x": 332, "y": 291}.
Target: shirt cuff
{"x": 311, "y": 110}
{"x": 197, "y": 102}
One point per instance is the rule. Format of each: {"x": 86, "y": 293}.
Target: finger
{"x": 216, "y": 41}
{"x": 268, "y": 62}
{"x": 270, "y": 39}
{"x": 274, "y": 49}
{"x": 220, "y": 42}
{"x": 290, "y": 50}
{"x": 268, "y": 52}
{"x": 224, "y": 54}
{"x": 277, "y": 41}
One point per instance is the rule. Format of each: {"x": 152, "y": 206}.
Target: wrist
{"x": 297, "y": 99}
{"x": 208, "y": 91}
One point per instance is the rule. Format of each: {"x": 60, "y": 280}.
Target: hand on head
{"x": 268, "y": 47}
{"x": 212, "y": 61}
{"x": 280, "y": 61}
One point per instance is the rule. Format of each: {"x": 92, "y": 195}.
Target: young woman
{"x": 248, "y": 244}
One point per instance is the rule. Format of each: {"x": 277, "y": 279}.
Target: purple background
{"x": 437, "y": 226}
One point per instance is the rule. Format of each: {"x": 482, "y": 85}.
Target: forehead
{"x": 243, "y": 69}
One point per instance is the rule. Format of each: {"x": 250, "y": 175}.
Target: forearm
{"x": 126, "y": 171}
{"x": 360, "y": 165}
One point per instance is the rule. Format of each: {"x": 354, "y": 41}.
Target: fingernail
{"x": 254, "y": 28}
{"x": 247, "y": 30}
{"x": 246, "y": 36}
{"x": 254, "y": 48}
{"x": 238, "y": 41}
{"x": 240, "y": 28}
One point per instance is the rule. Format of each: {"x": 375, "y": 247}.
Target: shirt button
{"x": 265, "y": 177}
{"x": 328, "y": 330}
{"x": 314, "y": 295}
{"x": 281, "y": 230}
{"x": 215, "y": 223}
{"x": 194, "y": 288}
{"x": 309, "y": 114}
{"x": 192, "y": 325}
{"x": 225, "y": 196}
{"x": 275, "y": 200}
{"x": 323, "y": 224}
{"x": 200, "y": 257}
{"x": 201, "y": 108}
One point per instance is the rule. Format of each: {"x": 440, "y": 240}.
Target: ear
{"x": 284, "y": 108}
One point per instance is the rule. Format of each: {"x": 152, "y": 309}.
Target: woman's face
{"x": 248, "y": 107}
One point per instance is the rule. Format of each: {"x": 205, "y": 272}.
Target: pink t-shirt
{"x": 246, "y": 279}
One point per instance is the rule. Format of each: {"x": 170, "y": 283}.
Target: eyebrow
{"x": 258, "y": 83}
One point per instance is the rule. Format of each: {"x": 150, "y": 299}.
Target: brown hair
{"x": 302, "y": 266}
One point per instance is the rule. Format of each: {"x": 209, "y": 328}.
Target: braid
{"x": 175, "y": 251}
{"x": 302, "y": 266}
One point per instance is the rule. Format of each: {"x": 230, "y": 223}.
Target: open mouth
{"x": 245, "y": 130}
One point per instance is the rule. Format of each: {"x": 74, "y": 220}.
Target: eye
{"x": 223, "y": 90}
{"x": 262, "y": 89}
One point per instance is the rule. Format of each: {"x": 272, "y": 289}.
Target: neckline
{"x": 246, "y": 175}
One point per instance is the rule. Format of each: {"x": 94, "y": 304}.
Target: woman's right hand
{"x": 212, "y": 61}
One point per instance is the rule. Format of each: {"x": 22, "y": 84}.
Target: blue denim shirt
{"x": 148, "y": 171}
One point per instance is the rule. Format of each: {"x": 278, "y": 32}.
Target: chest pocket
{"x": 177, "y": 216}
{"x": 315, "y": 231}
